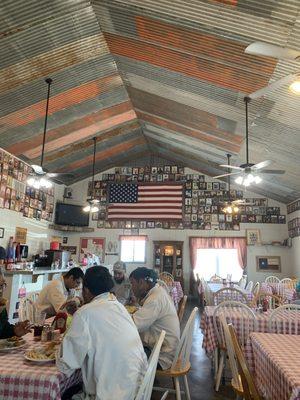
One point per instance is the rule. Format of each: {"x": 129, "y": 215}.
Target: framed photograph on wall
{"x": 253, "y": 237}
{"x": 268, "y": 263}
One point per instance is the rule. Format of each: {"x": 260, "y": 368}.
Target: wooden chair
{"x": 273, "y": 300}
{"x": 207, "y": 294}
{"x": 181, "y": 363}
{"x": 228, "y": 293}
{"x": 167, "y": 278}
{"x": 236, "y": 381}
{"x": 287, "y": 282}
{"x": 243, "y": 281}
{"x": 256, "y": 289}
{"x": 285, "y": 319}
{"x": 182, "y": 308}
{"x": 272, "y": 279}
{"x": 216, "y": 279}
{"x": 249, "y": 286}
{"x": 233, "y": 312}
{"x": 249, "y": 389}
{"x": 145, "y": 390}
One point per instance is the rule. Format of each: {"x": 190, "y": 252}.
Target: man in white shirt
{"x": 104, "y": 342}
{"x": 55, "y": 295}
{"x": 156, "y": 314}
{"x": 122, "y": 286}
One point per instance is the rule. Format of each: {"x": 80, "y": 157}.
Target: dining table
{"x": 274, "y": 360}
{"x": 210, "y": 340}
{"x": 214, "y": 287}
{"x": 26, "y": 380}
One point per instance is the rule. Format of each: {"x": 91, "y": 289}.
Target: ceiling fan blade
{"x": 262, "y": 164}
{"x": 38, "y": 169}
{"x": 60, "y": 174}
{"x": 221, "y": 176}
{"x": 231, "y": 166}
{"x": 273, "y": 171}
{"x": 273, "y": 86}
{"x": 272, "y": 50}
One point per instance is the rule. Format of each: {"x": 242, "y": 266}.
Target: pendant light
{"x": 92, "y": 203}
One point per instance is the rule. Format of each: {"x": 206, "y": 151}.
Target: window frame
{"x": 133, "y": 240}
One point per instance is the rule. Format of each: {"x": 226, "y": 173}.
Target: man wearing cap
{"x": 122, "y": 286}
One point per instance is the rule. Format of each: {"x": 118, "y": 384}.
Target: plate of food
{"x": 44, "y": 354}
{"x": 11, "y": 344}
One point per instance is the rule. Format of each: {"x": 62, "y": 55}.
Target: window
{"x": 218, "y": 261}
{"x": 133, "y": 249}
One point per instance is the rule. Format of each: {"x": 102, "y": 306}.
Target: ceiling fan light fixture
{"x": 236, "y": 209}
{"x": 94, "y": 208}
{"x": 239, "y": 180}
{"x": 295, "y": 87}
{"x": 257, "y": 179}
{"x": 87, "y": 208}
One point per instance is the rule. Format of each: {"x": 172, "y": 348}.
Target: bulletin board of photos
{"x": 292, "y": 207}
{"x": 294, "y": 227}
{"x": 202, "y": 201}
{"x": 15, "y": 195}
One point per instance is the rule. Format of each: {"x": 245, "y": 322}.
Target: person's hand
{"x": 21, "y": 328}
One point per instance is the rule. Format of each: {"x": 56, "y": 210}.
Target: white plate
{"x": 11, "y": 348}
{"x": 46, "y": 360}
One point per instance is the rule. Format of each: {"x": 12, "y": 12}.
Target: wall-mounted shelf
{"x": 270, "y": 244}
{"x": 67, "y": 228}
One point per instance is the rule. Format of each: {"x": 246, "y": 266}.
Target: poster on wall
{"x": 92, "y": 246}
{"x": 21, "y": 235}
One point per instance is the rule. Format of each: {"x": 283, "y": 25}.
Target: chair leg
{"x": 177, "y": 388}
{"x": 216, "y": 361}
{"x": 220, "y": 370}
{"x": 186, "y": 388}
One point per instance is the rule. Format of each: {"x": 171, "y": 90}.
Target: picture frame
{"x": 253, "y": 237}
{"x": 2, "y": 233}
{"x": 268, "y": 263}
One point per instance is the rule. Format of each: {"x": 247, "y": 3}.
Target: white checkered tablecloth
{"x": 210, "y": 341}
{"x": 176, "y": 293}
{"x": 275, "y": 359}
{"x": 23, "y": 380}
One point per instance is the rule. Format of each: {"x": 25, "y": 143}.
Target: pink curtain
{"x": 219, "y": 243}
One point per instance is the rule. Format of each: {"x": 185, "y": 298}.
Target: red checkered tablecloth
{"x": 23, "y": 380}
{"x": 289, "y": 294}
{"x": 276, "y": 362}
{"x": 210, "y": 341}
{"x": 176, "y": 293}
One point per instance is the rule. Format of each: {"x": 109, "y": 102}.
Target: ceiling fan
{"x": 231, "y": 206}
{"x": 92, "y": 202}
{"x": 39, "y": 177}
{"x": 282, "y": 53}
{"x": 248, "y": 172}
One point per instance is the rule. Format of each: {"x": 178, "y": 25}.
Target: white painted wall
{"x": 269, "y": 233}
{"x": 38, "y": 234}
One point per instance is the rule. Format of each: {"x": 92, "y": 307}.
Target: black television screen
{"x": 70, "y": 214}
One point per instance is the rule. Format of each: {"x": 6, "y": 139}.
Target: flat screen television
{"x": 70, "y": 214}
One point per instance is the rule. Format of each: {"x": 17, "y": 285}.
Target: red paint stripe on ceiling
{"x": 208, "y": 70}
{"x": 100, "y": 156}
{"x": 82, "y": 133}
{"x": 91, "y": 119}
{"x": 61, "y": 101}
{"x": 202, "y": 44}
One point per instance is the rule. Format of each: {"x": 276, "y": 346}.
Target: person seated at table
{"x": 122, "y": 286}
{"x": 8, "y": 330}
{"x": 157, "y": 313}
{"x": 54, "y": 296}
{"x": 104, "y": 342}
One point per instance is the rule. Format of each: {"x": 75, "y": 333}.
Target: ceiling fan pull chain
{"x": 48, "y": 81}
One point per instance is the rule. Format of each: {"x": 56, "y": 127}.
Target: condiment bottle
{"x": 45, "y": 333}
{"x": 60, "y": 321}
{"x": 265, "y": 305}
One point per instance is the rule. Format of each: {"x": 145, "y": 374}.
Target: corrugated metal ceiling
{"x": 149, "y": 75}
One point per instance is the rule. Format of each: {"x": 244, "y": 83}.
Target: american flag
{"x": 145, "y": 201}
